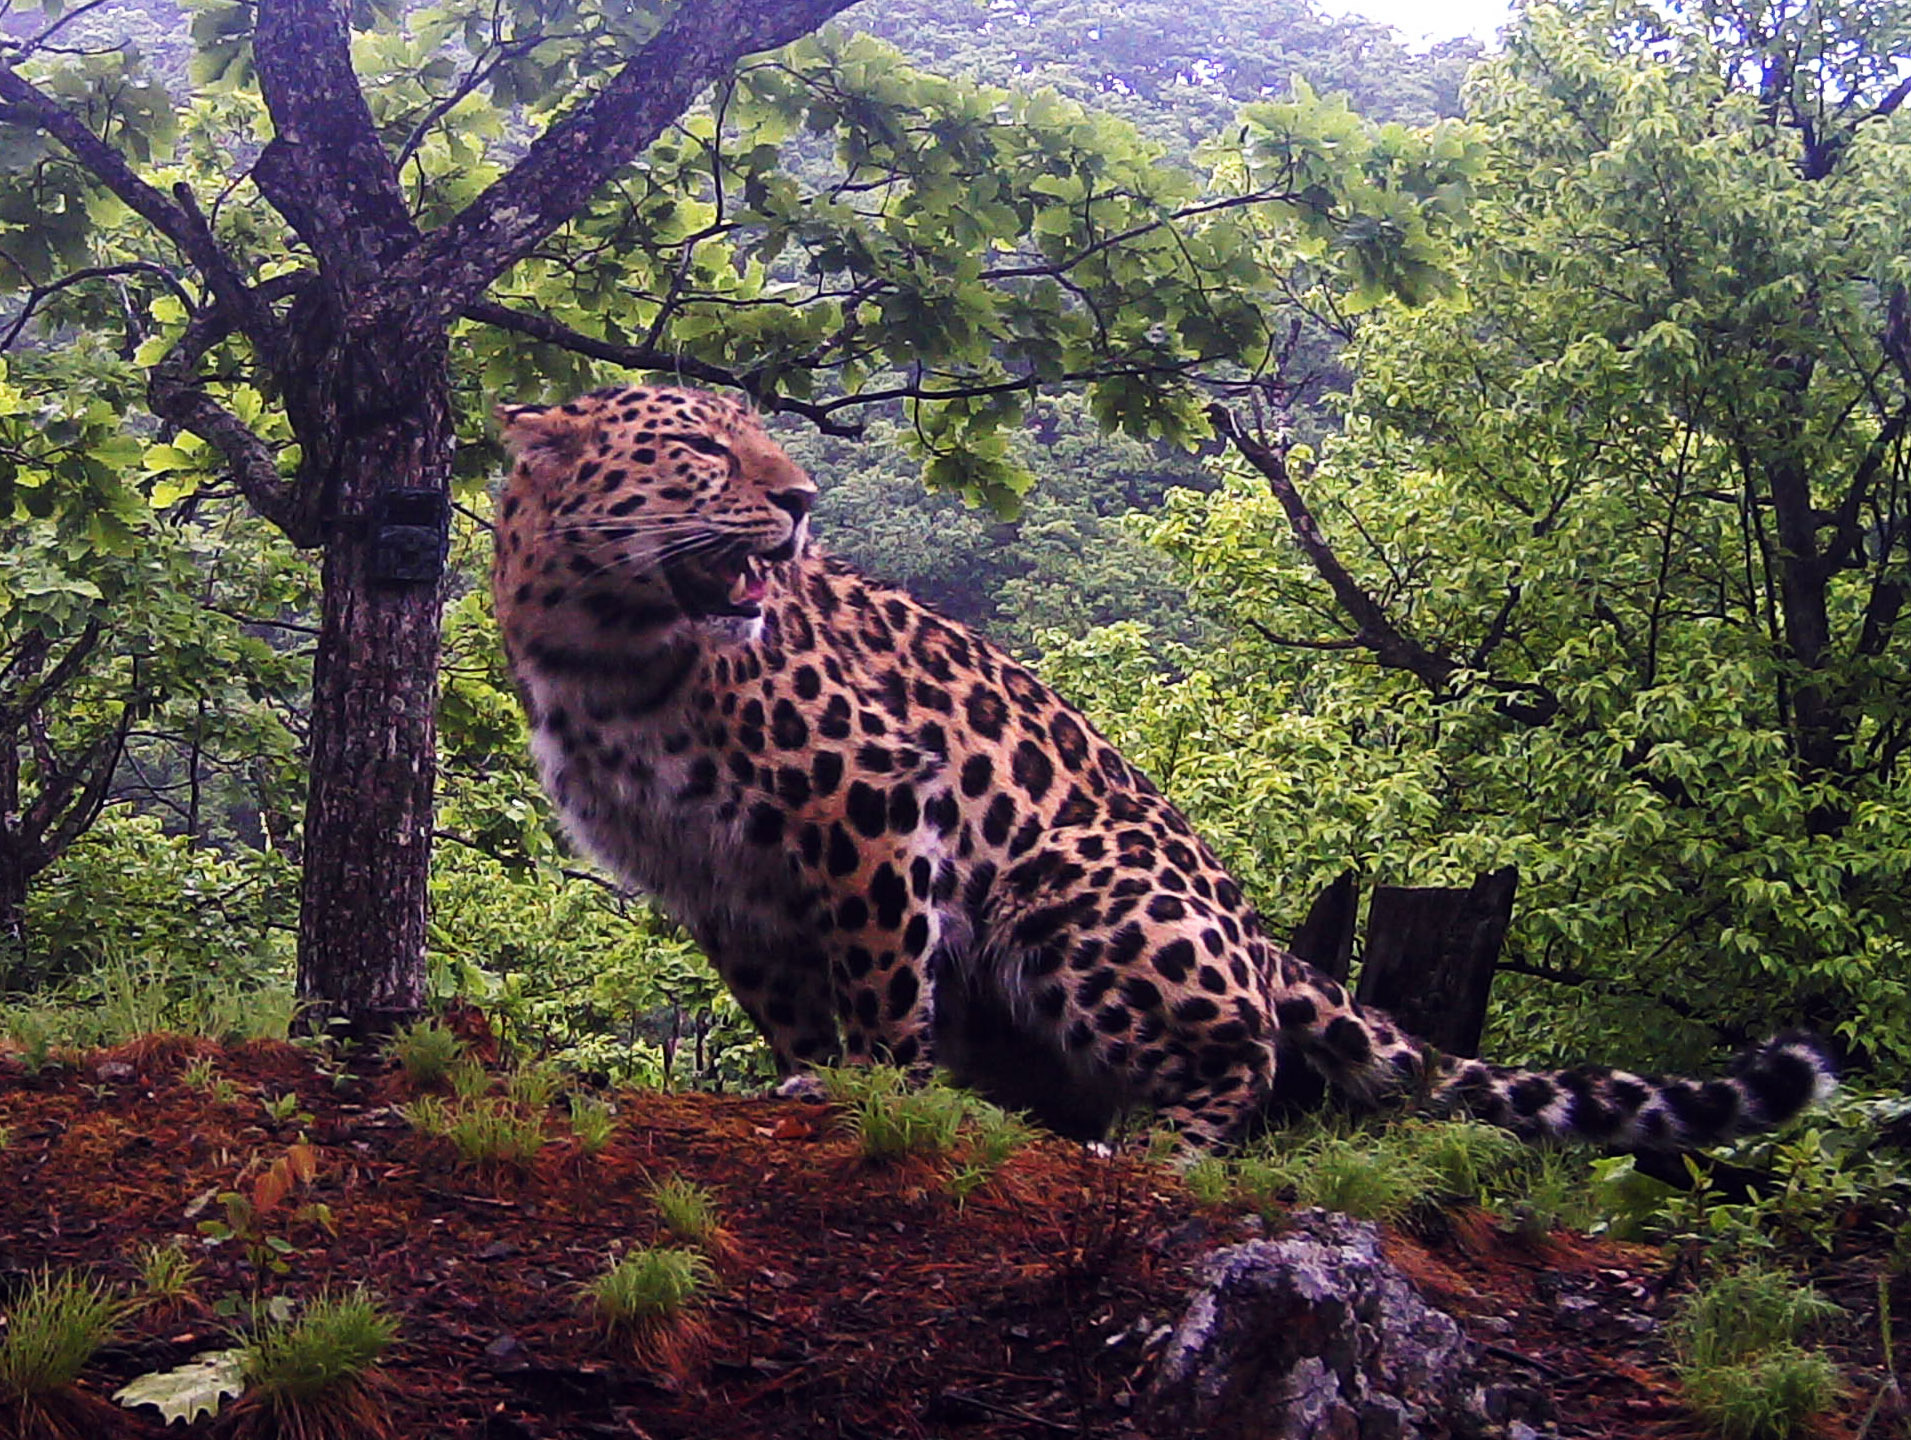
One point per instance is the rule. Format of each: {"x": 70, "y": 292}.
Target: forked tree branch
{"x": 1372, "y": 627}
{"x": 92, "y": 776}
{"x": 176, "y": 395}
{"x": 15, "y": 713}
{"x": 1527, "y": 702}
{"x": 326, "y": 169}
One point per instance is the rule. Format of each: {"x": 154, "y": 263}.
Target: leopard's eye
{"x": 702, "y": 444}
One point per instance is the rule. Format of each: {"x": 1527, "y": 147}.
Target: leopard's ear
{"x": 557, "y": 428}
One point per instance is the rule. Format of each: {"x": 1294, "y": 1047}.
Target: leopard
{"x": 896, "y": 844}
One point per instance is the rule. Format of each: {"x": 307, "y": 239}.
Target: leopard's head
{"x": 637, "y": 510}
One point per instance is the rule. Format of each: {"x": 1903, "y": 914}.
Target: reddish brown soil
{"x": 856, "y": 1301}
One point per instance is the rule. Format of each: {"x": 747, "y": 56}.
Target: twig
{"x": 1531, "y": 1362}
{"x": 1010, "y": 1412}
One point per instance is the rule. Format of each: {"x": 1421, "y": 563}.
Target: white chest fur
{"x": 663, "y": 823}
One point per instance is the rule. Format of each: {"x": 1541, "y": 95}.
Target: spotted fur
{"x": 895, "y": 841}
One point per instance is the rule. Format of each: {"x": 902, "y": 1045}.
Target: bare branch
{"x": 1286, "y": 642}
{"x": 22, "y": 49}
{"x": 38, "y": 294}
{"x": 645, "y": 357}
{"x": 1373, "y": 629}
{"x": 176, "y": 395}
{"x": 12, "y": 715}
{"x": 93, "y": 775}
{"x": 480, "y": 71}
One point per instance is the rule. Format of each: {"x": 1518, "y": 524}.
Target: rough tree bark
{"x": 13, "y": 914}
{"x": 1325, "y": 939}
{"x": 1431, "y": 953}
{"x": 358, "y": 347}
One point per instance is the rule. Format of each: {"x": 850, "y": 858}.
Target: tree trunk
{"x": 13, "y": 917}
{"x": 385, "y": 414}
{"x": 1431, "y": 954}
{"x": 1325, "y": 939}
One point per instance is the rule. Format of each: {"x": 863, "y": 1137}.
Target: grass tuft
{"x": 893, "y": 1118}
{"x": 168, "y": 1276}
{"x": 484, "y": 1132}
{"x": 54, "y": 1328}
{"x": 648, "y": 1288}
{"x": 1769, "y": 1397}
{"x": 1383, "y": 1172}
{"x": 469, "y": 1079}
{"x": 316, "y": 1377}
{"x": 1740, "y": 1359}
{"x": 489, "y": 1133}
{"x": 1551, "y": 1190}
{"x": 426, "y": 1050}
{"x": 993, "y": 1135}
{"x": 593, "y": 1123}
{"x": 687, "y": 1209}
{"x": 650, "y": 1300}
{"x": 533, "y": 1086}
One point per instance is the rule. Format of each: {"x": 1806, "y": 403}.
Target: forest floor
{"x": 856, "y": 1300}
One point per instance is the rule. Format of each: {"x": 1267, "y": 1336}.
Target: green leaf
{"x": 196, "y": 1388}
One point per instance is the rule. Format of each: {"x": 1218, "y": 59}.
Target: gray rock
{"x": 1313, "y": 1336}
{"x": 1575, "y": 1312}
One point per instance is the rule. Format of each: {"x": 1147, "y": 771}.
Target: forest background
{"x": 1557, "y": 511}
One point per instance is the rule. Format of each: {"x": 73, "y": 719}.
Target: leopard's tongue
{"x": 750, "y": 585}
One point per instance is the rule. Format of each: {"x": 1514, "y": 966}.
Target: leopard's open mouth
{"x": 732, "y": 582}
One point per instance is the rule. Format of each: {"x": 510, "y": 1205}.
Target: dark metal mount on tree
{"x": 411, "y": 536}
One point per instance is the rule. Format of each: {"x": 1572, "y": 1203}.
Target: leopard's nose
{"x": 797, "y": 502}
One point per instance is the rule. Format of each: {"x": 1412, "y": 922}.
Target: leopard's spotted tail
{"x": 1768, "y": 1085}
{"x": 1364, "y": 1056}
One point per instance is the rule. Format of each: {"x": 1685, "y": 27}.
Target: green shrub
{"x": 1824, "y": 1169}
{"x": 565, "y": 967}
{"x": 127, "y": 892}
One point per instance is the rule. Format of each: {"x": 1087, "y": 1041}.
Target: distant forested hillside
{"x": 1179, "y": 72}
